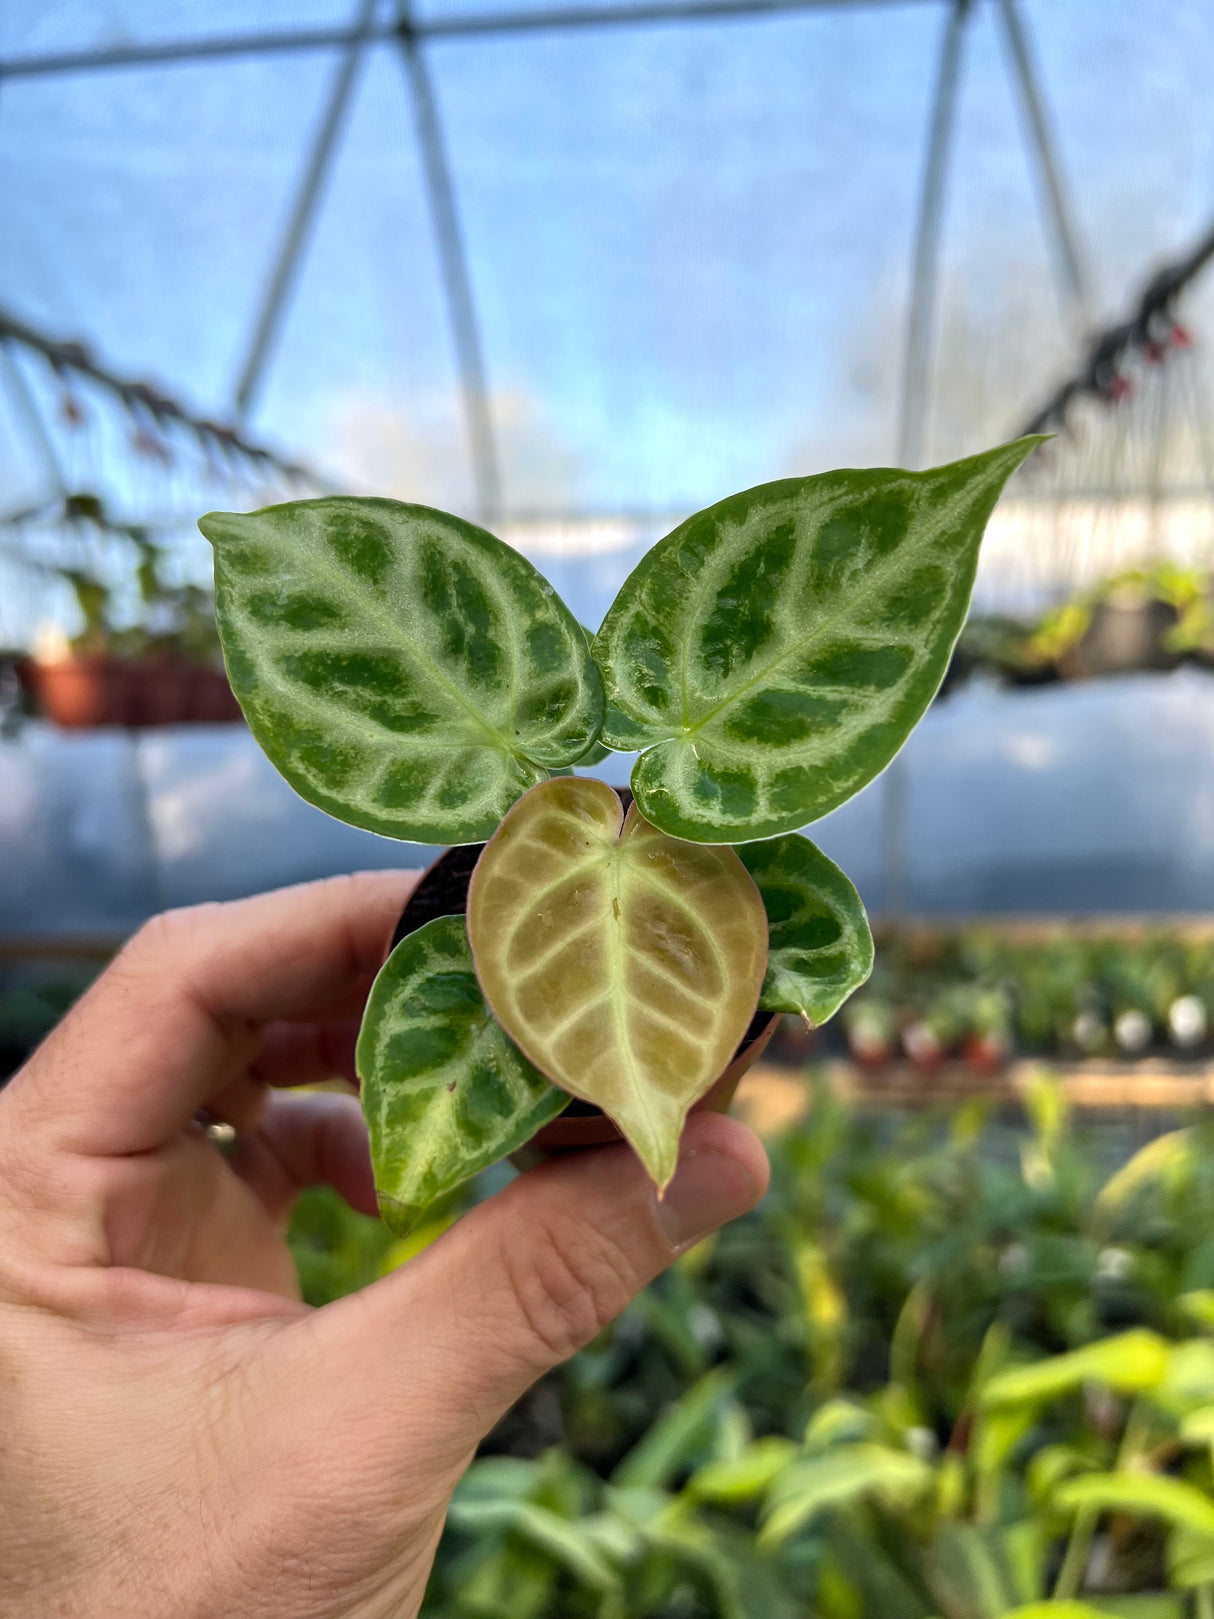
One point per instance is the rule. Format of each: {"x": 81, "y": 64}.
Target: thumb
{"x": 444, "y": 1346}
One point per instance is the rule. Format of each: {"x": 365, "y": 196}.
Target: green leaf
{"x": 677, "y": 1435}
{"x": 744, "y": 1584}
{"x": 1142, "y": 1495}
{"x": 596, "y": 753}
{"x": 820, "y": 948}
{"x": 772, "y": 654}
{"x": 564, "y": 1542}
{"x": 836, "y": 1477}
{"x": 502, "y": 1576}
{"x": 966, "y": 1571}
{"x": 1190, "y": 1558}
{"x": 745, "y": 1477}
{"x": 624, "y": 963}
{"x": 838, "y": 1420}
{"x": 1129, "y": 1363}
{"x": 1162, "y": 1158}
{"x": 1189, "y": 1381}
{"x": 1066, "y": 1609}
{"x": 1197, "y": 1428}
{"x": 404, "y": 670}
{"x": 444, "y": 1091}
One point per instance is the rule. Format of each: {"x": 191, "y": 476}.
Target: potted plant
{"x": 164, "y": 669}
{"x": 414, "y": 676}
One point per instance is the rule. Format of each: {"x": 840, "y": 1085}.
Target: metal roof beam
{"x": 457, "y": 285}
{"x": 173, "y": 52}
{"x": 302, "y": 214}
{"x": 1060, "y": 225}
{"x": 916, "y": 377}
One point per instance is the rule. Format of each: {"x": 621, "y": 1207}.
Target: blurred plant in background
{"x": 1152, "y": 617}
{"x": 950, "y": 1368}
{"x": 984, "y": 992}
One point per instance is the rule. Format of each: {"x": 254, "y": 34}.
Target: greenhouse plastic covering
{"x": 1096, "y": 797}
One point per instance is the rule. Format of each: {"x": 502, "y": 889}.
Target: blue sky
{"x": 689, "y": 246}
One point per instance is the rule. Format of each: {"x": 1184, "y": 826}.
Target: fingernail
{"x": 707, "y": 1190}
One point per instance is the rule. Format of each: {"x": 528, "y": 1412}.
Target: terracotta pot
{"x": 212, "y": 700}
{"x": 79, "y": 692}
{"x": 159, "y": 692}
{"x": 96, "y": 690}
{"x": 443, "y": 891}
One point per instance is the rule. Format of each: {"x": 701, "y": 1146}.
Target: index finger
{"x": 177, "y": 1014}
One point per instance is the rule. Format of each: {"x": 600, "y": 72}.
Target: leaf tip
{"x": 400, "y": 1218}
{"x": 216, "y": 526}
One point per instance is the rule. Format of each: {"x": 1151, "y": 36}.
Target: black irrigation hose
{"x": 1151, "y": 327}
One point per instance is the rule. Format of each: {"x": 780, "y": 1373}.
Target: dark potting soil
{"x": 443, "y": 891}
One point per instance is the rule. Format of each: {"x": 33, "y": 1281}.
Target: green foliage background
{"x": 954, "y": 1368}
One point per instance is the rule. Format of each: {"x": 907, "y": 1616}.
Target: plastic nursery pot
{"x": 443, "y": 891}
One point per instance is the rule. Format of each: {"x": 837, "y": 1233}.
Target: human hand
{"x": 180, "y": 1437}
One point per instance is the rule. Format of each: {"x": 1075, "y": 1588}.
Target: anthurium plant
{"x": 414, "y": 676}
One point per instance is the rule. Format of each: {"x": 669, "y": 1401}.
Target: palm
{"x": 184, "y": 1211}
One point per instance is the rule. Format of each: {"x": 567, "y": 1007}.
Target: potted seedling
{"x": 414, "y": 676}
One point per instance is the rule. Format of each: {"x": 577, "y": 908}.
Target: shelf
{"x": 771, "y": 1099}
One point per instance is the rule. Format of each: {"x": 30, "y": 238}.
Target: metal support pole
{"x": 453, "y": 266}
{"x": 300, "y": 223}
{"x": 917, "y": 364}
{"x": 1060, "y": 227}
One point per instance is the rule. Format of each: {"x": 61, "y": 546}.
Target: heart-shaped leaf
{"x": 404, "y": 670}
{"x": 626, "y": 964}
{"x": 819, "y": 945}
{"x": 773, "y": 653}
{"x": 444, "y": 1091}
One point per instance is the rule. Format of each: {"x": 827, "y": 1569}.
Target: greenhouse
{"x": 707, "y": 508}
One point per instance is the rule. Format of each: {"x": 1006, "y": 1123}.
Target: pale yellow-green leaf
{"x": 1197, "y": 1428}
{"x": 1161, "y": 1159}
{"x": 624, "y": 963}
{"x": 746, "y": 1477}
{"x": 1189, "y": 1381}
{"x": 1190, "y": 1557}
{"x": 847, "y": 1473}
{"x": 1128, "y": 1363}
{"x": 1142, "y": 1495}
{"x": 836, "y": 1421}
{"x": 1065, "y": 1609}
{"x": 1199, "y": 1307}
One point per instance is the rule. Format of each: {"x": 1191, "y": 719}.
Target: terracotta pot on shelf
{"x": 79, "y": 693}
{"x": 95, "y": 690}
{"x": 212, "y": 700}
{"x": 159, "y": 692}
{"x": 443, "y": 891}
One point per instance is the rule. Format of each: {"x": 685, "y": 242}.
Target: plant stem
{"x": 1075, "y": 1562}
{"x": 1205, "y": 1602}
